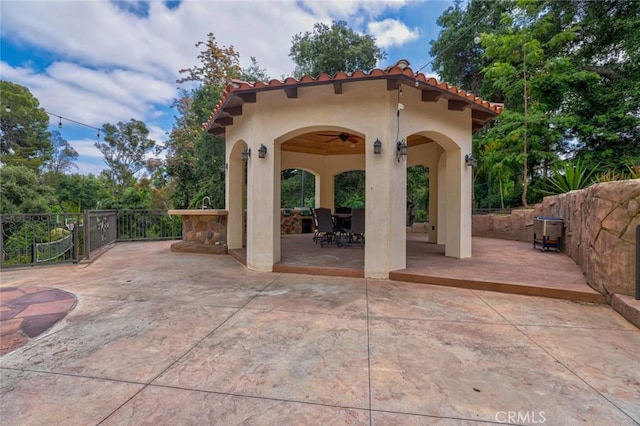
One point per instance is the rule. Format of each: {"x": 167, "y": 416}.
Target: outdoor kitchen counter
{"x": 203, "y": 231}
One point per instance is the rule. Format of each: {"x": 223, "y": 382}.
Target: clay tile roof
{"x": 238, "y": 90}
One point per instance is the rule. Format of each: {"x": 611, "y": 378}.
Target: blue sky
{"x": 100, "y": 61}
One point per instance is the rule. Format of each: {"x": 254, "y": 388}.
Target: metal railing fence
{"x": 100, "y": 230}
{"x": 32, "y": 239}
{"x": 137, "y": 225}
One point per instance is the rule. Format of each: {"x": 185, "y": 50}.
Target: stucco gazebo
{"x": 393, "y": 106}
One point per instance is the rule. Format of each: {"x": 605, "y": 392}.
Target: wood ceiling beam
{"x": 249, "y": 98}
{"x": 337, "y": 88}
{"x": 393, "y": 84}
{"x": 292, "y": 92}
{"x": 431, "y": 95}
{"x": 457, "y": 105}
{"x": 234, "y": 111}
{"x": 480, "y": 115}
{"x": 224, "y": 121}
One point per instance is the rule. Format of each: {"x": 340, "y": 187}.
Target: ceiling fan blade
{"x": 331, "y": 140}
{"x": 353, "y": 139}
{"x": 328, "y": 134}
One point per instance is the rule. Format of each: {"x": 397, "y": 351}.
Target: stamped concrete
{"x": 169, "y": 338}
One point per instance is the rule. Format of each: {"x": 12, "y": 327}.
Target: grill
{"x": 547, "y": 231}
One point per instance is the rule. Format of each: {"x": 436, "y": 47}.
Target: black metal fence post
{"x": 75, "y": 239}
{"x": 87, "y": 236}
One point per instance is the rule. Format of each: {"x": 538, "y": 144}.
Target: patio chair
{"x": 325, "y": 228}
{"x": 355, "y": 232}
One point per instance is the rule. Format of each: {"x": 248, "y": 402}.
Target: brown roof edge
{"x": 399, "y": 71}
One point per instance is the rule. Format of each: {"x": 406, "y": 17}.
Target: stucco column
{"x": 234, "y": 180}
{"x": 386, "y": 204}
{"x": 263, "y": 224}
{"x": 442, "y": 200}
{"x": 326, "y": 190}
{"x": 458, "y": 206}
{"x": 433, "y": 198}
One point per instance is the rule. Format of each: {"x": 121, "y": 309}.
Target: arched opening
{"x": 297, "y": 199}
{"x": 417, "y": 194}
{"x": 350, "y": 189}
{"x": 297, "y": 188}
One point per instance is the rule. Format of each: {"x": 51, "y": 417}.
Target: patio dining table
{"x": 341, "y": 218}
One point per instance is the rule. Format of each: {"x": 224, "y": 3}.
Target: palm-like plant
{"x": 571, "y": 175}
{"x": 634, "y": 171}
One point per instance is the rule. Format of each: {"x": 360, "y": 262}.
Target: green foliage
{"x": 350, "y": 189}
{"x": 77, "y": 192}
{"x": 634, "y": 171}
{"x": 291, "y": 189}
{"x": 458, "y": 57}
{"x": 568, "y": 76}
{"x": 24, "y": 139}
{"x": 330, "y": 49}
{"x": 217, "y": 64}
{"x": 608, "y": 176}
{"x": 23, "y": 193}
{"x": 125, "y": 148}
{"x": 58, "y": 234}
{"x": 195, "y": 159}
{"x": 63, "y": 156}
{"x": 418, "y": 188}
{"x": 254, "y": 72}
{"x": 570, "y": 176}
{"x": 18, "y": 246}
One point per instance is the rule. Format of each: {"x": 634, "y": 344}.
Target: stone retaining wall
{"x": 517, "y": 226}
{"x": 599, "y": 231}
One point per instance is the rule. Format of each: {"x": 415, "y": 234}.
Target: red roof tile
{"x": 237, "y": 87}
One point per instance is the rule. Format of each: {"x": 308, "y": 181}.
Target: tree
{"x": 457, "y": 53}
{"x": 195, "y": 160}
{"x": 125, "y": 148}
{"x": 63, "y": 156}
{"x": 217, "y": 64}
{"x": 77, "y": 192}
{"x": 333, "y": 49}
{"x": 23, "y": 193}
{"x": 608, "y": 128}
{"x": 254, "y": 72}
{"x": 24, "y": 139}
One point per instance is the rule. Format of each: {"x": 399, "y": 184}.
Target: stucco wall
{"x": 599, "y": 231}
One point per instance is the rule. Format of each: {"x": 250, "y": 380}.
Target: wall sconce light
{"x": 377, "y": 146}
{"x": 246, "y": 154}
{"x": 470, "y": 160}
{"x": 401, "y": 150}
{"x": 262, "y": 152}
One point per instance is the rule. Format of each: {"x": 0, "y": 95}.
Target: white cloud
{"x": 391, "y": 32}
{"x": 98, "y": 62}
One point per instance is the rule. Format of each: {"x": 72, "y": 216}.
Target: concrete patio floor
{"x": 172, "y": 338}
{"x": 496, "y": 265}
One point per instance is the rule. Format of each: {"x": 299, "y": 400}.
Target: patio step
{"x": 582, "y": 295}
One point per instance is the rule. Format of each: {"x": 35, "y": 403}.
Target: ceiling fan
{"x": 344, "y": 137}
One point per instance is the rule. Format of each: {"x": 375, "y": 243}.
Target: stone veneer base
{"x": 188, "y": 247}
